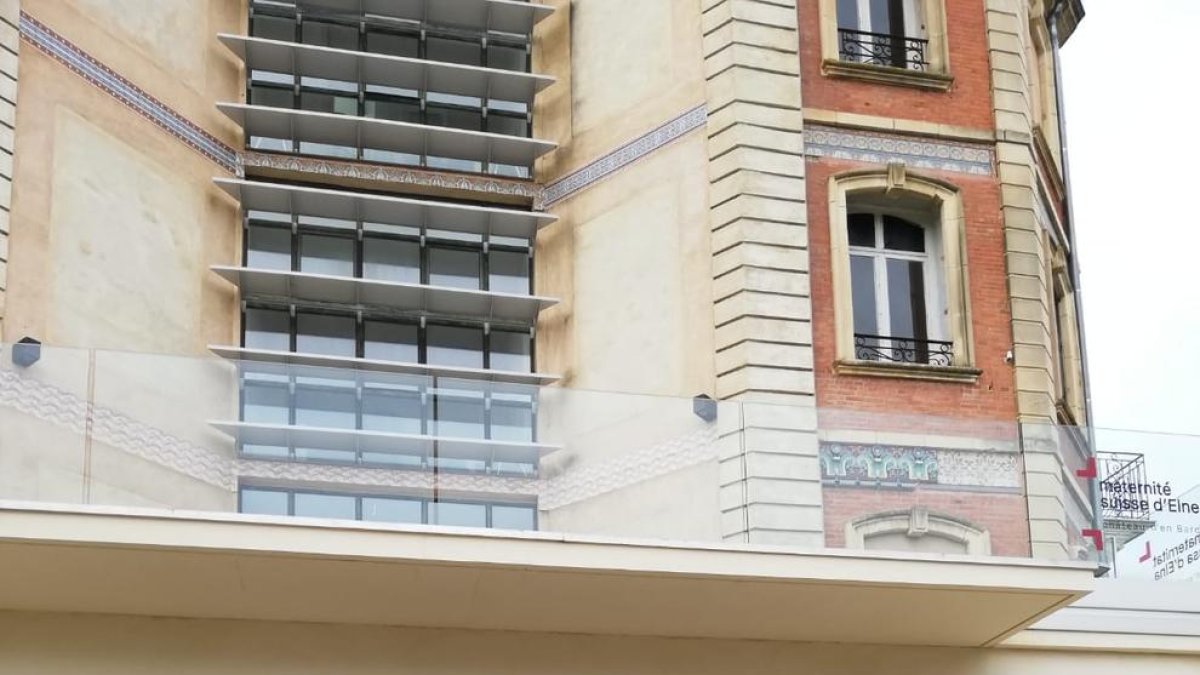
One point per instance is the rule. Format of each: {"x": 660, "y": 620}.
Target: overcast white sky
{"x": 1133, "y": 130}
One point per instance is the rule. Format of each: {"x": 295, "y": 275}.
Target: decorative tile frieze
{"x": 346, "y": 476}
{"x": 879, "y": 465}
{"x": 83, "y": 64}
{"x": 624, "y": 156}
{"x": 399, "y": 175}
{"x": 881, "y": 148}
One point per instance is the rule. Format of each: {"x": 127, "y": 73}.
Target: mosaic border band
{"x": 880, "y": 148}
{"x": 83, "y": 64}
{"x": 625, "y": 155}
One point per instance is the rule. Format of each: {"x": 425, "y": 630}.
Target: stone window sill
{"x": 900, "y": 77}
{"x": 909, "y": 371}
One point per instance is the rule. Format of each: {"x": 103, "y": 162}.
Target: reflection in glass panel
{"x": 265, "y": 451}
{"x": 512, "y": 417}
{"x": 264, "y": 502}
{"x": 391, "y": 408}
{"x": 331, "y": 455}
{"x": 325, "y": 334}
{"x": 508, "y": 272}
{"x": 906, "y": 298}
{"x": 862, "y": 286}
{"x": 273, "y": 27}
{"x": 316, "y": 101}
{"x": 511, "y": 351}
{"x": 333, "y": 256}
{"x": 454, "y": 118}
{"x": 514, "y": 518}
{"x": 393, "y": 109}
{"x": 327, "y": 150}
{"x": 265, "y": 402}
{"x": 458, "y": 514}
{"x": 454, "y": 268}
{"x": 385, "y": 510}
{"x": 392, "y": 260}
{"x": 454, "y": 51}
{"x": 273, "y": 97}
{"x": 390, "y": 341}
{"x": 460, "y": 413}
{"x": 452, "y": 164}
{"x": 391, "y": 44}
{"x": 329, "y": 404}
{"x": 880, "y": 16}
{"x": 454, "y": 346}
{"x": 847, "y": 14}
{"x": 269, "y": 248}
{"x": 267, "y": 329}
{"x": 311, "y": 505}
{"x": 508, "y": 125}
{"x": 506, "y": 58}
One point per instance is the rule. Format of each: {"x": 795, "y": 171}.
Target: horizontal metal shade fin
{"x": 389, "y": 71}
{"x": 387, "y": 210}
{"x": 384, "y": 442}
{"x": 402, "y": 137}
{"x": 505, "y": 16}
{"x": 348, "y": 364}
{"x": 431, "y": 300}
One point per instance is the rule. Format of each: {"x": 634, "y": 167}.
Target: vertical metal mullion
{"x": 299, "y": 38}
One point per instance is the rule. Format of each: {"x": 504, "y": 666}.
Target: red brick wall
{"x": 993, "y": 396}
{"x": 967, "y": 103}
{"x": 1003, "y": 515}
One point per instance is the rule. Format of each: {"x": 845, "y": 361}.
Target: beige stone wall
{"x": 10, "y": 45}
{"x": 1020, "y": 98}
{"x": 762, "y": 309}
{"x": 115, "y": 226}
{"x": 630, "y": 254}
{"x": 78, "y": 644}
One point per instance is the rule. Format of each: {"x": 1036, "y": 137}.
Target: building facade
{"x": 365, "y": 334}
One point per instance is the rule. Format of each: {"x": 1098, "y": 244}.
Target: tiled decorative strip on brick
{"x": 82, "y": 63}
{"x": 879, "y": 148}
{"x": 624, "y": 156}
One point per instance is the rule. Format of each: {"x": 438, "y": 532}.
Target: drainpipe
{"x": 1073, "y": 268}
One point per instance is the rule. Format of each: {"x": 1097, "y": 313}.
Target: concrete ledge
{"x": 885, "y": 75}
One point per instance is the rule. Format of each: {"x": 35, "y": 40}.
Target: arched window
{"x": 896, "y": 288}
{"x": 898, "y": 262}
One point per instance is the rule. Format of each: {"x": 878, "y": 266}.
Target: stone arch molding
{"x": 916, "y": 523}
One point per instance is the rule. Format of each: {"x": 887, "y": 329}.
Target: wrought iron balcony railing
{"x": 903, "y": 350}
{"x": 882, "y": 49}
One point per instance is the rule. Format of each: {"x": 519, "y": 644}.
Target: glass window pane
{"x": 390, "y": 342}
{"x": 847, "y": 14}
{"x": 454, "y": 346}
{"x": 273, "y": 27}
{"x": 273, "y": 97}
{"x": 512, "y": 418}
{"x": 325, "y": 506}
{"x": 513, "y": 518}
{"x": 264, "y": 502}
{"x": 453, "y": 164}
{"x": 460, "y": 515}
{"x": 325, "y": 334}
{"x": 508, "y": 272}
{"x": 396, "y": 110}
{"x": 269, "y": 248}
{"x": 331, "y": 455}
{"x": 509, "y": 126}
{"x": 460, "y": 414}
{"x": 328, "y": 103}
{"x": 325, "y": 34}
{"x": 391, "y": 44}
{"x": 327, "y": 255}
{"x": 861, "y": 227}
{"x": 455, "y": 118}
{"x": 901, "y": 235}
{"x": 453, "y": 267}
{"x": 862, "y": 285}
{"x": 327, "y": 150}
{"x": 391, "y": 409}
{"x": 383, "y": 510}
{"x": 880, "y": 16}
{"x": 267, "y": 329}
{"x": 506, "y": 58}
{"x": 265, "y": 403}
{"x": 906, "y": 298}
{"x": 265, "y": 451}
{"x": 391, "y": 260}
{"x": 511, "y": 351}
{"x": 454, "y": 51}
{"x": 327, "y": 404}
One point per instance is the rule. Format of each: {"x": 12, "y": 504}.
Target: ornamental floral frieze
{"x": 883, "y": 465}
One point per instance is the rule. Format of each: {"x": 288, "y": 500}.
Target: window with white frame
{"x": 897, "y": 291}
{"x": 883, "y": 33}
